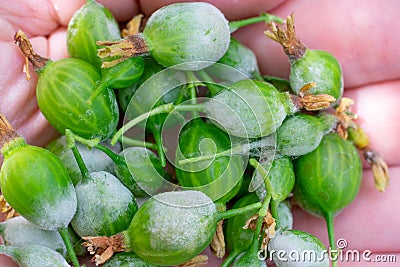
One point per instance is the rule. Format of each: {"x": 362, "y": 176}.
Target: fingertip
{"x": 123, "y": 10}
{"x": 64, "y": 10}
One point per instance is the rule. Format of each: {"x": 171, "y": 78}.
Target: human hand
{"x": 365, "y": 47}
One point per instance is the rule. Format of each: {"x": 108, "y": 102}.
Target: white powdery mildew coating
{"x": 54, "y": 216}
{"x": 299, "y": 135}
{"x": 243, "y": 113}
{"x": 193, "y": 217}
{"x": 18, "y": 231}
{"x": 103, "y": 193}
{"x": 203, "y": 32}
{"x": 39, "y": 256}
{"x": 300, "y": 245}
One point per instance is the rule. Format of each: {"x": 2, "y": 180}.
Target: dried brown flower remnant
{"x": 292, "y": 46}
{"x": 310, "y": 102}
{"x": 269, "y": 230}
{"x": 345, "y": 116}
{"x": 38, "y": 62}
{"x": 103, "y": 247}
{"x": 380, "y": 169}
{"x": 217, "y": 245}
{"x": 251, "y": 222}
{"x": 199, "y": 260}
{"x": 6, "y": 209}
{"x": 268, "y": 227}
{"x": 130, "y": 46}
{"x": 7, "y": 132}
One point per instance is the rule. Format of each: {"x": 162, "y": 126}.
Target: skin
{"x": 364, "y": 44}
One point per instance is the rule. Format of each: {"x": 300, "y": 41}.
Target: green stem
{"x": 255, "y": 244}
{"x": 274, "y": 213}
{"x": 212, "y": 86}
{"x": 192, "y": 88}
{"x": 155, "y": 129}
{"x": 71, "y": 138}
{"x": 236, "y": 150}
{"x": 81, "y": 164}
{"x": 264, "y": 174}
{"x": 133, "y": 142}
{"x": 67, "y": 241}
{"x": 240, "y": 149}
{"x": 167, "y": 108}
{"x": 117, "y": 159}
{"x": 265, "y": 17}
{"x": 231, "y": 257}
{"x": 223, "y": 215}
{"x": 205, "y": 157}
{"x": 329, "y": 218}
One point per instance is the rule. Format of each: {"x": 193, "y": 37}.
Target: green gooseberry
{"x": 299, "y": 134}
{"x": 92, "y": 22}
{"x": 62, "y": 91}
{"x": 141, "y": 171}
{"x": 173, "y": 227}
{"x": 308, "y": 66}
{"x": 284, "y": 216}
{"x": 108, "y": 216}
{"x": 18, "y": 231}
{"x": 170, "y": 228}
{"x": 36, "y": 184}
{"x": 276, "y": 179}
{"x": 34, "y": 256}
{"x": 328, "y": 179}
{"x": 250, "y": 109}
{"x": 220, "y": 179}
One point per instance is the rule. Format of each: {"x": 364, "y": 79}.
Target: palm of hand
{"x": 365, "y": 47}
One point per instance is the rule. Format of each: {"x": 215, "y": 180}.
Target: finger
{"x": 33, "y": 17}
{"x": 365, "y": 46}
{"x": 373, "y": 216}
{"x": 233, "y": 10}
{"x": 65, "y": 9}
{"x": 57, "y": 44}
{"x": 123, "y": 10}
